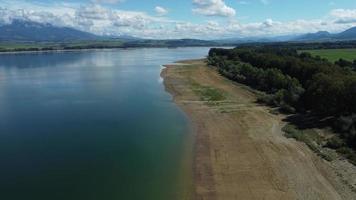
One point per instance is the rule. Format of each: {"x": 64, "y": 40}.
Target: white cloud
{"x": 268, "y": 23}
{"x": 343, "y": 13}
{"x": 213, "y": 8}
{"x": 344, "y": 16}
{"x": 107, "y": 1}
{"x": 161, "y": 11}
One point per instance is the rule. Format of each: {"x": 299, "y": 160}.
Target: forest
{"x": 297, "y": 83}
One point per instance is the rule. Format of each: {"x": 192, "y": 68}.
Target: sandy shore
{"x": 240, "y": 152}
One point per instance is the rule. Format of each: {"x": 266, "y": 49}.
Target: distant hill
{"x": 20, "y": 30}
{"x": 242, "y": 40}
{"x": 349, "y": 34}
{"x": 122, "y": 37}
{"x": 323, "y": 36}
{"x": 35, "y": 36}
{"x": 170, "y": 43}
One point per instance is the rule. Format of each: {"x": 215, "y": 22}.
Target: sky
{"x": 200, "y": 19}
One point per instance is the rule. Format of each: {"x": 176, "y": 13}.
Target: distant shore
{"x": 49, "y": 51}
{"x": 240, "y": 150}
{"x": 91, "y": 49}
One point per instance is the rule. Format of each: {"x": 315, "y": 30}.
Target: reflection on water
{"x": 90, "y": 125}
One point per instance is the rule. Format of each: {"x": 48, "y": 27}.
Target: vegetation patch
{"x": 310, "y": 137}
{"x": 334, "y": 55}
{"x": 209, "y": 94}
{"x": 348, "y": 153}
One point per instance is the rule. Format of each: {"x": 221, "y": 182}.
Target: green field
{"x": 334, "y": 54}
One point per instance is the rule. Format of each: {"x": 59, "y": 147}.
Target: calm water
{"x": 93, "y": 125}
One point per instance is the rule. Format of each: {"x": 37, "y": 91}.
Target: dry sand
{"x": 240, "y": 152}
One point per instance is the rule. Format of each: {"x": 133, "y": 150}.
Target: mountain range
{"x": 349, "y": 34}
{"x": 24, "y": 31}
{"x": 321, "y": 36}
{"x": 28, "y": 31}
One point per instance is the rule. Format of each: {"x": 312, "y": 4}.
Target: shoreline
{"x": 194, "y": 127}
{"x": 187, "y": 159}
{"x": 239, "y": 149}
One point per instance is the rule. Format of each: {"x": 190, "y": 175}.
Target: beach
{"x": 239, "y": 149}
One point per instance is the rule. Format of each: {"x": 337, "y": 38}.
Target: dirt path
{"x": 240, "y": 152}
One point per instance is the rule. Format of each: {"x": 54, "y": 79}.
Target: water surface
{"x": 90, "y": 125}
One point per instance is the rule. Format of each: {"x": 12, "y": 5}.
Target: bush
{"x": 348, "y": 153}
{"x": 335, "y": 143}
{"x": 277, "y": 99}
{"x": 347, "y": 126}
{"x": 267, "y": 99}
{"x": 292, "y": 132}
{"x": 285, "y": 108}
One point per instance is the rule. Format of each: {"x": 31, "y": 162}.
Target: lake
{"x": 92, "y": 125}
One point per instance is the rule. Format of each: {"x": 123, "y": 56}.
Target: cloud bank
{"x": 220, "y": 22}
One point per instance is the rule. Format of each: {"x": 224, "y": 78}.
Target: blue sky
{"x": 187, "y": 18}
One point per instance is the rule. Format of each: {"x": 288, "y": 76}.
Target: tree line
{"x": 304, "y": 45}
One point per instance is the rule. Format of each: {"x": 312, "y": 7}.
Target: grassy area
{"x": 209, "y": 94}
{"x": 310, "y": 137}
{"x": 316, "y": 143}
{"x": 334, "y": 54}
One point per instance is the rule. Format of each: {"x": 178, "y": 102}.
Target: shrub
{"x": 335, "y": 143}
{"x": 267, "y": 99}
{"x": 285, "y": 108}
